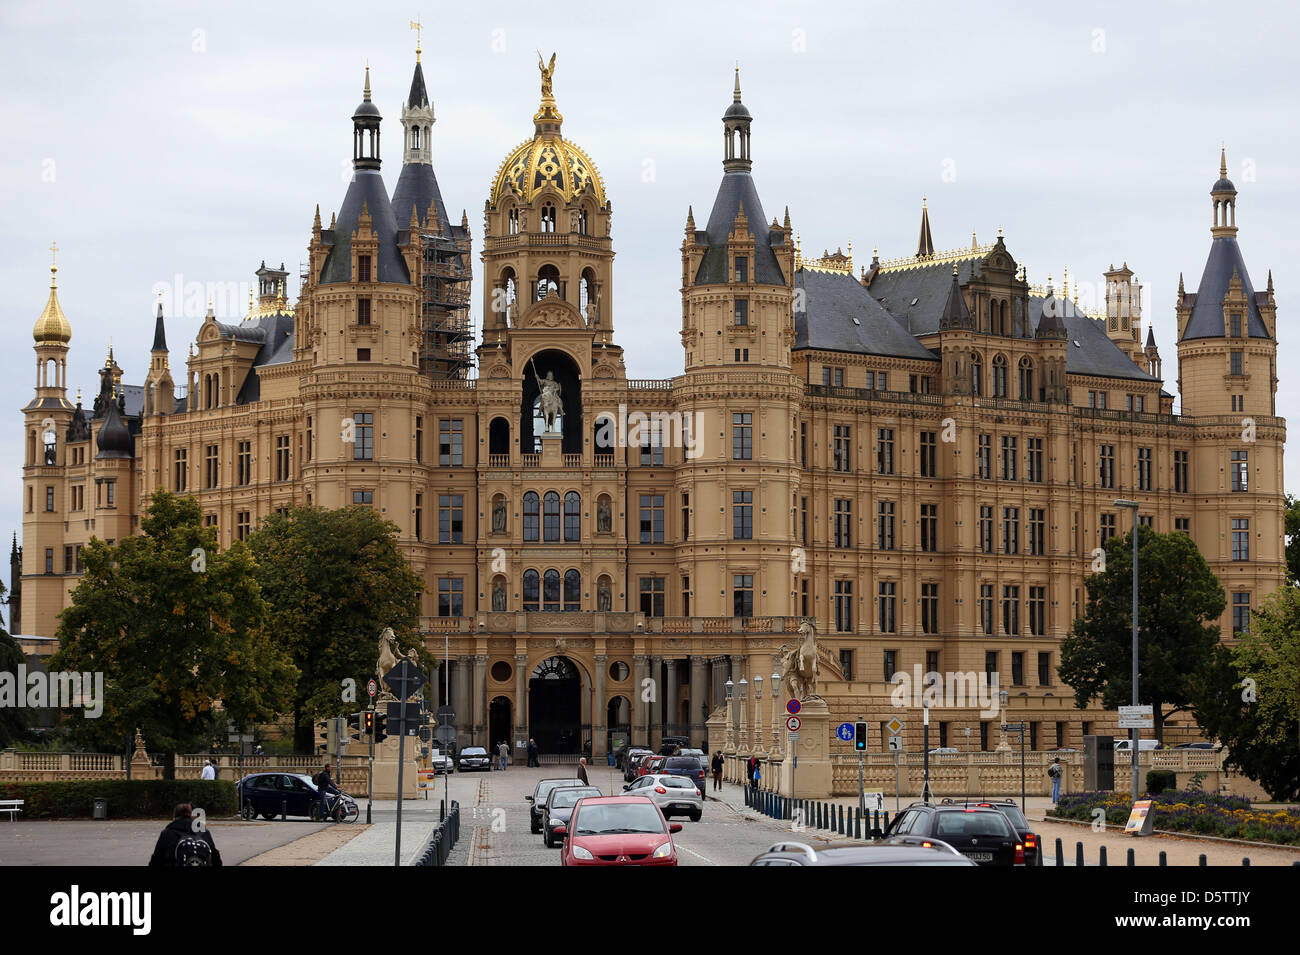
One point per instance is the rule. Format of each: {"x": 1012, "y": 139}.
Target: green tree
{"x": 1179, "y": 602}
{"x": 179, "y": 631}
{"x": 1292, "y": 539}
{"x": 334, "y": 580}
{"x": 13, "y": 720}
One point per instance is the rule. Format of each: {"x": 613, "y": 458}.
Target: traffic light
{"x": 328, "y": 730}
{"x": 381, "y": 726}
{"x": 370, "y": 722}
{"x": 860, "y": 737}
{"x": 355, "y": 724}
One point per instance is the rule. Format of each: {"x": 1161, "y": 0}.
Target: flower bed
{"x": 1206, "y": 814}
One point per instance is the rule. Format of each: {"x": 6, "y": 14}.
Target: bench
{"x": 11, "y": 806}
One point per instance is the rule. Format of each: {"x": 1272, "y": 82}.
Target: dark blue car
{"x": 269, "y": 794}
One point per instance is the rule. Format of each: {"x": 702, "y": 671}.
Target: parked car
{"x": 618, "y": 830}
{"x": 694, "y": 767}
{"x": 268, "y": 794}
{"x": 1198, "y": 746}
{"x": 983, "y": 835}
{"x": 674, "y": 795}
{"x": 891, "y": 852}
{"x": 670, "y": 744}
{"x": 651, "y": 765}
{"x": 1009, "y": 808}
{"x": 475, "y": 757}
{"x": 945, "y": 751}
{"x": 442, "y": 763}
{"x": 559, "y": 807}
{"x": 697, "y": 753}
{"x": 538, "y": 798}
{"x": 1144, "y": 745}
{"x": 632, "y": 763}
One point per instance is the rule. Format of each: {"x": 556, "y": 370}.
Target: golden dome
{"x": 547, "y": 161}
{"x": 52, "y": 327}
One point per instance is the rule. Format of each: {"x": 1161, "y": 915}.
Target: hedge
{"x": 127, "y": 798}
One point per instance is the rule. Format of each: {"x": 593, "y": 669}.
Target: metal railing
{"x": 443, "y": 839}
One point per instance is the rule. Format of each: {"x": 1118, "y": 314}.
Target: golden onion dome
{"x": 52, "y": 328}
{"x": 548, "y": 160}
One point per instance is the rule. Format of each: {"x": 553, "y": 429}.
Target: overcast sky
{"x": 195, "y": 139}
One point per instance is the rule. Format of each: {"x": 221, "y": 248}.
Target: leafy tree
{"x": 179, "y": 631}
{"x": 13, "y": 720}
{"x": 334, "y": 580}
{"x": 1179, "y": 603}
{"x": 1292, "y": 540}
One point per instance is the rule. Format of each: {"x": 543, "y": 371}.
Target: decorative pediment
{"x": 552, "y": 312}
{"x": 605, "y": 370}
{"x": 499, "y": 370}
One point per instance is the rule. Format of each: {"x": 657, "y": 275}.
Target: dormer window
{"x": 742, "y": 268}
{"x": 363, "y": 268}
{"x": 1234, "y": 325}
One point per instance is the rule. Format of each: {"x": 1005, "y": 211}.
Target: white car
{"x": 442, "y": 763}
{"x": 1144, "y": 745}
{"x": 674, "y": 795}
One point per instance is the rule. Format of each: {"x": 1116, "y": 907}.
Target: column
{"x": 657, "y": 707}
{"x": 640, "y": 730}
{"x": 478, "y": 694}
{"x": 672, "y": 703}
{"x": 521, "y": 699}
{"x": 600, "y": 711}
{"x": 698, "y": 711}
{"x": 460, "y": 701}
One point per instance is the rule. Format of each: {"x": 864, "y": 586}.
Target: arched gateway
{"x": 555, "y": 706}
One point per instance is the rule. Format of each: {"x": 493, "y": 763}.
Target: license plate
{"x": 979, "y": 856}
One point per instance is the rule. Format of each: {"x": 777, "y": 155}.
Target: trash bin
{"x": 100, "y": 810}
{"x": 610, "y": 756}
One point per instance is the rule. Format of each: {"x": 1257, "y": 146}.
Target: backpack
{"x": 315, "y": 780}
{"x": 192, "y": 850}
{"x": 1054, "y": 770}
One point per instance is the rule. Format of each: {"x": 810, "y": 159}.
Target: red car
{"x": 618, "y": 830}
{"x": 651, "y": 765}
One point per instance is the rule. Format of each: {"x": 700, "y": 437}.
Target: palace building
{"x": 920, "y": 456}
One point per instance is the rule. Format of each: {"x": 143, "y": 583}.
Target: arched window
{"x": 532, "y": 586}
{"x": 548, "y": 281}
{"x": 976, "y": 376}
{"x": 582, "y": 222}
{"x": 207, "y": 391}
{"x": 51, "y": 450}
{"x": 531, "y": 516}
{"x": 572, "y": 516}
{"x": 512, "y": 222}
{"x": 507, "y": 293}
{"x": 1026, "y": 380}
{"x": 415, "y": 137}
{"x": 548, "y": 218}
{"x": 572, "y": 590}
{"x": 551, "y": 590}
{"x": 587, "y": 296}
{"x": 999, "y": 377}
{"x": 216, "y": 390}
{"x": 499, "y": 436}
{"x": 551, "y": 516}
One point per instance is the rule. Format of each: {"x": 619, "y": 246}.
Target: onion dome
{"x": 52, "y": 327}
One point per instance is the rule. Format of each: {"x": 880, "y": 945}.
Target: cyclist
{"x": 324, "y": 787}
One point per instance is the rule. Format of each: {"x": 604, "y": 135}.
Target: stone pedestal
{"x": 812, "y": 779}
{"x": 386, "y": 768}
{"x": 552, "y": 443}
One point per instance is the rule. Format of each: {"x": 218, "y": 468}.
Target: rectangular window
{"x": 1038, "y": 611}
{"x": 49, "y": 497}
{"x": 1144, "y": 469}
{"x": 885, "y": 525}
{"x": 929, "y": 527}
{"x": 1240, "y": 538}
{"x": 843, "y": 457}
{"x": 839, "y": 377}
{"x": 1240, "y": 470}
{"x": 1101, "y": 399}
{"x": 1106, "y": 465}
{"x": 888, "y": 599}
{"x": 871, "y": 381}
{"x": 986, "y": 528}
{"x": 742, "y": 594}
{"x": 846, "y": 664}
{"x": 363, "y": 354}
{"x": 1146, "y": 520}
{"x": 67, "y": 559}
{"x": 1234, "y": 325}
{"x": 419, "y": 517}
{"x": 803, "y": 444}
{"x": 986, "y": 608}
{"x": 1017, "y": 668}
{"x": 686, "y": 517}
{"x": 929, "y": 454}
{"x": 1011, "y": 530}
{"x": 984, "y": 458}
{"x": 891, "y": 664}
{"x": 844, "y": 606}
{"x": 309, "y": 439}
{"x": 363, "y": 311}
{"x": 49, "y": 560}
{"x": 243, "y": 523}
{"x": 363, "y": 497}
{"x": 1240, "y": 613}
{"x": 652, "y": 596}
{"x": 245, "y": 464}
{"x": 451, "y": 596}
{"x": 363, "y": 269}
{"x": 884, "y": 450}
{"x": 803, "y": 597}
{"x": 826, "y": 375}
{"x": 110, "y": 488}
{"x": 803, "y": 521}
{"x": 1180, "y": 471}
{"x": 652, "y": 519}
{"x": 742, "y": 311}
{"x": 882, "y": 381}
{"x": 282, "y": 457}
{"x": 1034, "y": 461}
{"x": 931, "y": 661}
{"x": 451, "y": 519}
{"x": 843, "y": 522}
{"x": 451, "y": 442}
{"x": 930, "y": 613}
{"x": 686, "y": 596}
{"x": 1009, "y": 458}
{"x": 990, "y": 664}
{"x": 363, "y": 435}
{"x": 1235, "y": 363}
{"x": 742, "y": 268}
{"x": 419, "y": 439}
{"x": 1183, "y": 524}
{"x": 742, "y": 436}
{"x": 211, "y": 466}
{"x": 1107, "y": 528}
{"x": 652, "y": 449}
{"x": 742, "y": 515}
{"x": 1011, "y": 611}
{"x": 1037, "y": 531}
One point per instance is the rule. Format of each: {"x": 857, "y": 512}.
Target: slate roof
{"x": 275, "y": 332}
{"x": 928, "y": 284}
{"x": 737, "y": 187}
{"x": 418, "y": 95}
{"x": 1207, "y": 313}
{"x": 367, "y": 188}
{"x": 832, "y": 303}
{"x": 418, "y": 186}
{"x": 1094, "y": 353}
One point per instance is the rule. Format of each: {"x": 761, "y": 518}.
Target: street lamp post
{"x": 758, "y": 714}
{"x": 925, "y": 749}
{"x": 1133, "y": 731}
{"x": 731, "y": 725}
{"x": 776, "y": 695}
{"x": 742, "y": 692}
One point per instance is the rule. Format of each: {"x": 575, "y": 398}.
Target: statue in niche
{"x": 604, "y": 600}
{"x": 498, "y": 596}
{"x": 552, "y": 403}
{"x": 604, "y": 517}
{"x": 499, "y": 516}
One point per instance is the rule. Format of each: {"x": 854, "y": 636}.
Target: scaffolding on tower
{"x": 447, "y": 335}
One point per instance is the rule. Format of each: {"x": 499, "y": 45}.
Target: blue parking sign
{"x": 845, "y": 732}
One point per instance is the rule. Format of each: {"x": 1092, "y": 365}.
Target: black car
{"x": 270, "y": 794}
{"x": 559, "y": 808}
{"x": 690, "y": 766}
{"x": 983, "y": 835}
{"x": 538, "y": 799}
{"x": 1008, "y": 808}
{"x": 932, "y": 852}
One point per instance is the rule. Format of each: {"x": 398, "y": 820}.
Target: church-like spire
{"x": 160, "y": 333}
{"x": 365, "y": 130}
{"x": 52, "y": 328}
{"x": 735, "y": 122}
{"x": 925, "y": 245}
{"x": 955, "y": 312}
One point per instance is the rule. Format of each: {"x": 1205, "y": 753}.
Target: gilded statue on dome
{"x": 547, "y": 72}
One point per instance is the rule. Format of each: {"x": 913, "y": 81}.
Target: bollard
{"x": 857, "y": 823}
{"x": 1060, "y": 861}
{"x": 1163, "y": 861}
{"x": 886, "y": 820}
{"x": 1078, "y": 855}
{"x": 1130, "y": 861}
{"x": 284, "y": 809}
{"x": 1246, "y": 861}
{"x": 840, "y": 827}
{"x": 1202, "y": 863}
{"x": 1102, "y": 861}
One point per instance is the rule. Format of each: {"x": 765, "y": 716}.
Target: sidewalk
{"x": 375, "y": 844}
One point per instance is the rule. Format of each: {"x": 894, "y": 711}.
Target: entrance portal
{"x": 555, "y": 706}
{"x": 499, "y": 728}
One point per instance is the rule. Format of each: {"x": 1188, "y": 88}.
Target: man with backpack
{"x": 1054, "y": 772}
{"x": 324, "y": 783}
{"x": 185, "y": 842}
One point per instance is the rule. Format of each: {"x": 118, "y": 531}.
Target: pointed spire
{"x": 1270, "y": 283}
{"x": 315, "y": 222}
{"x": 1223, "y": 162}
{"x": 1151, "y": 336}
{"x": 52, "y": 327}
{"x": 787, "y": 218}
{"x": 925, "y": 245}
{"x": 160, "y": 334}
{"x": 365, "y": 98}
{"x": 736, "y": 96}
{"x": 690, "y": 219}
{"x": 333, "y": 220}
{"x": 955, "y": 313}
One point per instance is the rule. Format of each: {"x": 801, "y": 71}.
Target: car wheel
{"x": 268, "y": 815}
{"x": 695, "y": 816}
{"x": 534, "y": 827}
{"x": 546, "y": 839}
{"x": 248, "y": 812}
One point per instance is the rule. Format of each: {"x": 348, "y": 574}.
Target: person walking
{"x": 753, "y": 771}
{"x": 758, "y": 776}
{"x": 716, "y": 766}
{"x": 582, "y": 771}
{"x": 1055, "y": 772}
{"x": 216, "y": 768}
{"x": 186, "y": 841}
{"x": 532, "y": 752}
{"x": 208, "y": 771}
{"x": 503, "y": 754}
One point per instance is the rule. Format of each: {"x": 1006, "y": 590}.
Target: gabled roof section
{"x": 840, "y": 315}
{"x": 1206, "y": 320}
{"x": 737, "y": 187}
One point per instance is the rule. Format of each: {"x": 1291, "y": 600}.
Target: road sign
{"x": 792, "y": 724}
{"x": 405, "y": 679}
{"x": 845, "y": 732}
{"x": 794, "y": 738}
{"x": 404, "y": 718}
{"x": 426, "y": 778}
{"x": 1136, "y": 723}
{"x": 372, "y": 687}
{"x": 895, "y": 742}
{"x": 793, "y": 707}
{"x": 1131, "y": 711}
{"x": 1013, "y": 727}
{"x": 895, "y": 726}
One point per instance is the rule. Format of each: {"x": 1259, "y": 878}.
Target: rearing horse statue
{"x": 800, "y": 665}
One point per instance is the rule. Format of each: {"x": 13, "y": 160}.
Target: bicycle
{"x": 341, "y": 808}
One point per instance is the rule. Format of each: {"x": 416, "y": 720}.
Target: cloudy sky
{"x": 185, "y": 142}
